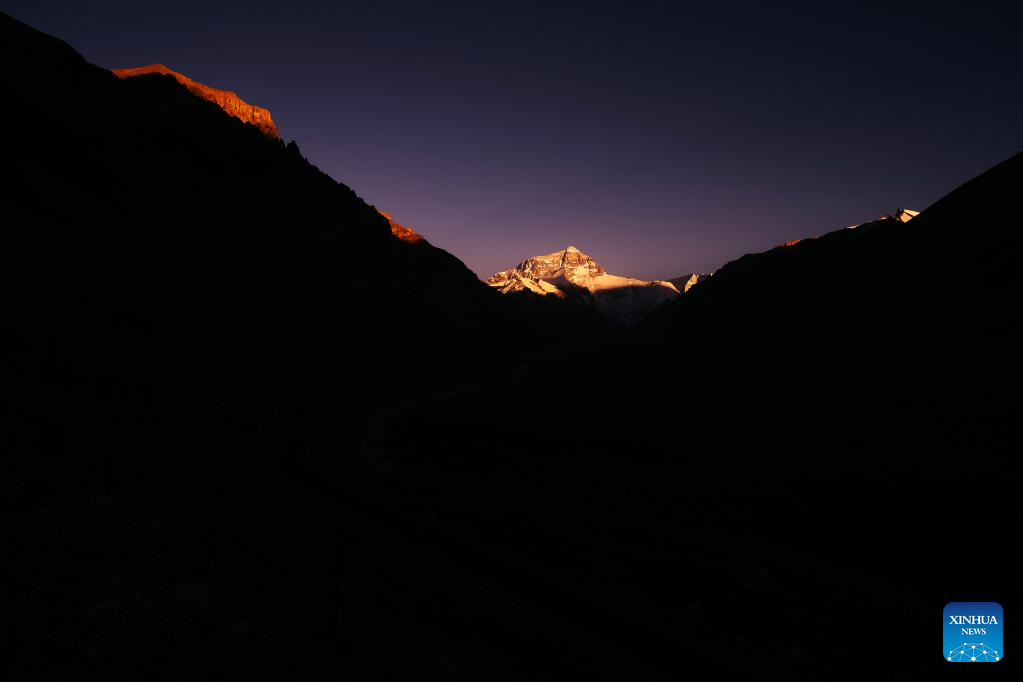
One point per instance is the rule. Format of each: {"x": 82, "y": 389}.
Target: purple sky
{"x": 659, "y": 140}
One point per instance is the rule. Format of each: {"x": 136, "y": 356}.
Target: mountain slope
{"x": 160, "y": 245}
{"x": 846, "y": 283}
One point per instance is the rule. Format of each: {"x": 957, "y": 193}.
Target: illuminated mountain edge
{"x": 564, "y": 274}
{"x": 235, "y": 106}
{"x": 571, "y": 274}
{"x": 902, "y": 215}
{"x": 770, "y": 288}
{"x": 227, "y": 100}
{"x": 405, "y": 234}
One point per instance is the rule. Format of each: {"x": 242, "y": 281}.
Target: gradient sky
{"x": 660, "y": 139}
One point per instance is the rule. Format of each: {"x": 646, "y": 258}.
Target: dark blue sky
{"x": 658, "y": 138}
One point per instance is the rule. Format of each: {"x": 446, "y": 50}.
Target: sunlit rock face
{"x": 904, "y": 215}
{"x": 571, "y": 274}
{"x": 687, "y": 282}
{"x": 225, "y": 99}
{"x": 405, "y": 234}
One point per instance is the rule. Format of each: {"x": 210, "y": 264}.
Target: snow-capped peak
{"x": 574, "y": 275}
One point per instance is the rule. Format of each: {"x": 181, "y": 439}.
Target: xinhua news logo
{"x": 972, "y": 632}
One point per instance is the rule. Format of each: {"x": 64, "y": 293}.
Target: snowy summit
{"x": 571, "y": 274}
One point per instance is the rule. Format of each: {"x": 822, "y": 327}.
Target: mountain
{"x": 754, "y": 434}
{"x": 184, "y": 295}
{"x": 229, "y": 101}
{"x": 574, "y": 276}
{"x": 405, "y": 234}
{"x": 220, "y": 276}
{"x": 848, "y": 278}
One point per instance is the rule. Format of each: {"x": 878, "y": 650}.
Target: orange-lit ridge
{"x": 403, "y": 233}
{"x": 903, "y": 215}
{"x": 225, "y": 99}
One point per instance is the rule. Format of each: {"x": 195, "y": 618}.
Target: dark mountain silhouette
{"x": 846, "y": 282}
{"x": 251, "y": 428}
{"x": 195, "y": 249}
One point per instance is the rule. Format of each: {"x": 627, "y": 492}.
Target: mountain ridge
{"x": 227, "y": 100}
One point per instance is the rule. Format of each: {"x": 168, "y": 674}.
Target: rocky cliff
{"x": 405, "y": 234}
{"x": 687, "y": 282}
{"x": 225, "y": 99}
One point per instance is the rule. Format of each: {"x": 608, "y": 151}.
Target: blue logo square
{"x": 972, "y": 632}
